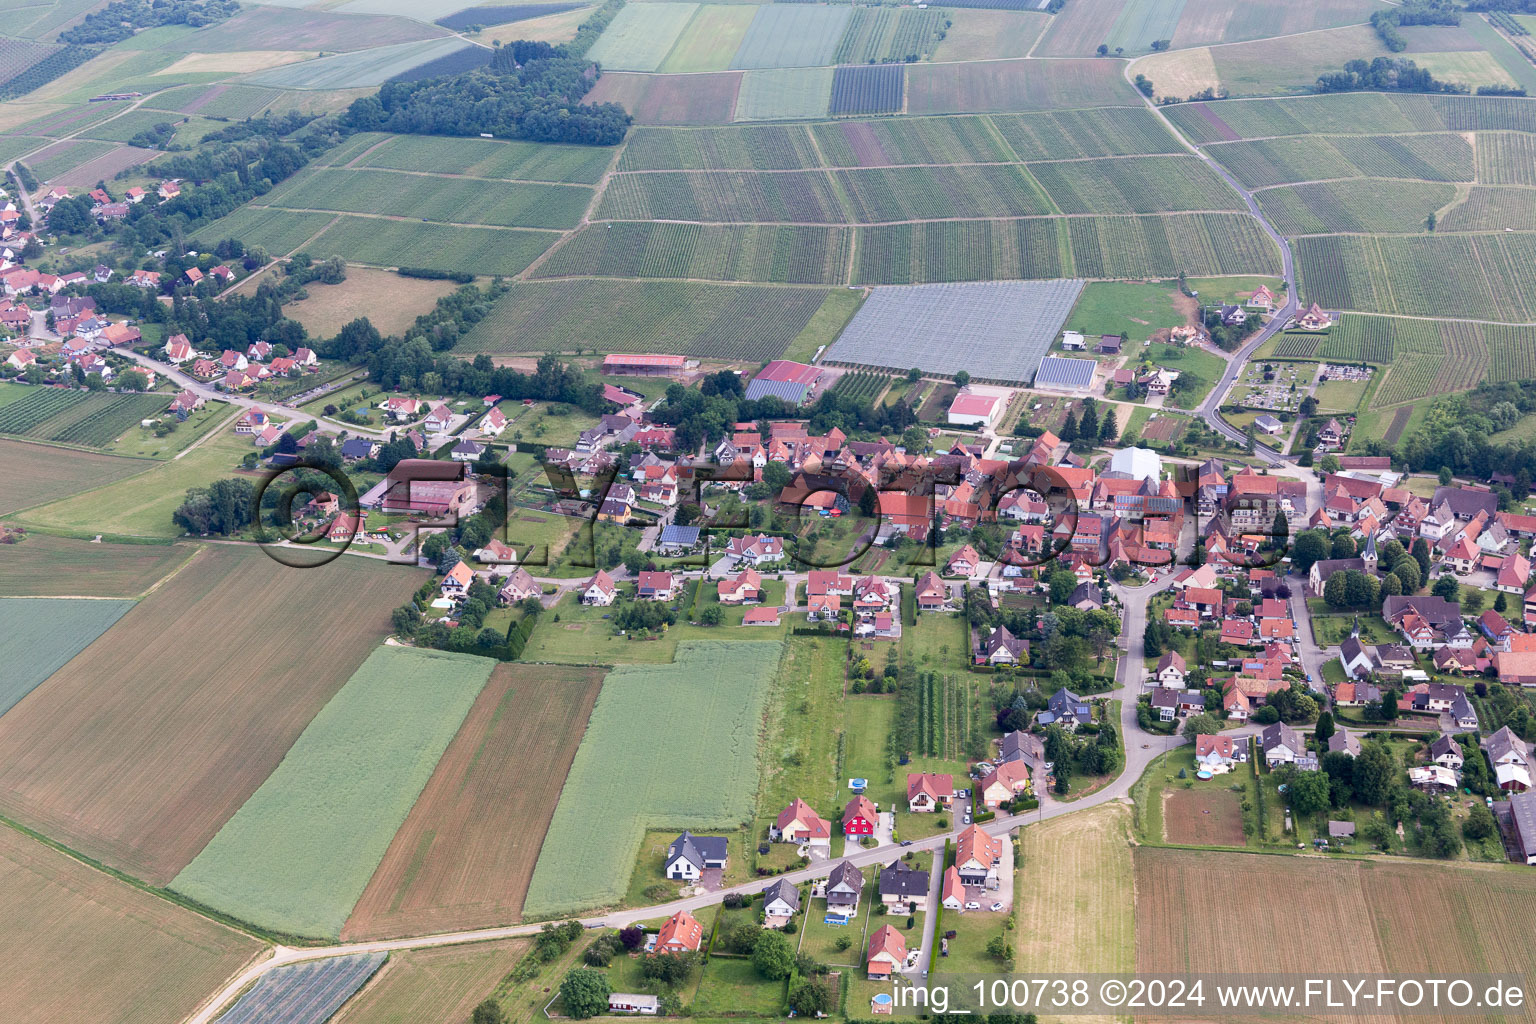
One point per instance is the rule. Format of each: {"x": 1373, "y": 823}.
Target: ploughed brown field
{"x": 138, "y": 750}
{"x": 79, "y": 945}
{"x": 1234, "y": 912}
{"x": 465, "y": 855}
{"x": 35, "y": 474}
{"x": 1205, "y": 817}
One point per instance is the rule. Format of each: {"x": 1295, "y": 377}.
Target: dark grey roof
{"x": 1344, "y": 742}
{"x": 467, "y": 447}
{"x": 356, "y": 448}
{"x": 1444, "y": 745}
{"x": 1281, "y": 734}
{"x": 1163, "y": 697}
{"x": 1022, "y": 746}
{"x": 1064, "y": 702}
{"x": 901, "y": 879}
{"x": 1087, "y": 591}
{"x": 683, "y": 536}
{"x": 1522, "y": 810}
{"x": 698, "y": 850}
{"x": 1340, "y": 829}
{"x": 844, "y": 873}
{"x": 782, "y": 889}
{"x": 1437, "y": 611}
{"x": 1465, "y": 502}
{"x": 791, "y": 391}
{"x": 1504, "y": 742}
{"x": 1056, "y": 371}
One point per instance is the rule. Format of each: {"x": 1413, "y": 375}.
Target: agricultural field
{"x": 825, "y": 325}
{"x": 876, "y": 35}
{"x": 1204, "y": 22}
{"x": 432, "y": 197}
{"x": 195, "y": 726}
{"x": 1147, "y": 185}
{"x": 1357, "y": 206}
{"x": 36, "y": 475}
{"x": 279, "y": 232}
{"x": 484, "y": 158}
{"x": 792, "y": 36}
{"x": 1269, "y": 67}
{"x": 390, "y": 302}
{"x": 1074, "y": 900}
{"x": 980, "y": 87}
{"x": 867, "y": 89}
{"x": 299, "y": 852}
{"x": 39, "y": 636}
{"x": 672, "y": 99}
{"x": 383, "y": 242}
{"x": 712, "y": 321}
{"x": 420, "y": 984}
{"x": 801, "y": 197}
{"x": 748, "y": 148}
{"x": 305, "y": 993}
{"x": 783, "y": 94}
{"x": 990, "y": 35}
{"x": 1506, "y": 158}
{"x": 1365, "y": 924}
{"x": 63, "y": 157}
{"x": 1345, "y": 113}
{"x": 1471, "y": 276}
{"x": 1428, "y": 157}
{"x": 885, "y": 194}
{"x": 1493, "y": 208}
{"x": 925, "y": 140}
{"x": 710, "y": 39}
{"x": 698, "y": 768}
{"x": 285, "y": 28}
{"x": 104, "y": 167}
{"x": 748, "y": 252}
{"x": 44, "y": 566}
{"x": 80, "y": 945}
{"x": 1113, "y": 307}
{"x": 360, "y": 68}
{"x": 862, "y": 386}
{"x": 641, "y": 36}
{"x": 466, "y": 852}
{"x": 89, "y": 418}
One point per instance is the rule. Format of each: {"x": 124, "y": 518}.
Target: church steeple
{"x": 1369, "y": 554}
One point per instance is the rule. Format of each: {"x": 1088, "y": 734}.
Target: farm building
{"x": 970, "y": 409}
{"x": 791, "y": 381}
{"x": 625, "y": 365}
{"x": 1058, "y": 374}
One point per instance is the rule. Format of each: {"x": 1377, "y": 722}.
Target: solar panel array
{"x": 993, "y": 330}
{"x": 308, "y": 993}
{"x": 1072, "y": 374}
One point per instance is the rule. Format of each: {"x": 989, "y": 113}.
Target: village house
{"x": 1066, "y": 709}
{"x": 887, "y": 953}
{"x": 1446, "y": 752}
{"x": 929, "y": 791}
{"x": 781, "y": 902}
{"x": 1282, "y": 745}
{"x": 744, "y": 588}
{"x": 690, "y": 856}
{"x": 844, "y": 886}
{"x": 1218, "y": 754}
{"x": 904, "y": 888}
{"x": 932, "y": 593}
{"x": 600, "y": 590}
{"x": 680, "y": 933}
{"x": 756, "y": 551}
{"x": 1510, "y": 758}
{"x": 456, "y": 581}
{"x": 519, "y": 587}
{"x": 860, "y": 817}
{"x": 1001, "y": 647}
{"x": 1024, "y": 747}
{"x": 797, "y": 823}
{"x": 1003, "y": 783}
{"x": 963, "y": 562}
{"x": 977, "y": 857}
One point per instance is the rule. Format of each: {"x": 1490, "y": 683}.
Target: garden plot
{"x": 994, "y": 331}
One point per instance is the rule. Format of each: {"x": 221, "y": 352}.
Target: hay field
{"x": 990, "y": 35}
{"x": 1078, "y": 29}
{"x": 78, "y": 945}
{"x": 1229, "y": 21}
{"x": 298, "y": 853}
{"x": 209, "y": 691}
{"x": 382, "y": 242}
{"x": 696, "y": 768}
{"x": 552, "y": 28}
{"x": 241, "y": 62}
{"x": 44, "y": 566}
{"x": 710, "y": 40}
{"x": 390, "y": 301}
{"x": 780, "y": 93}
{"x": 1205, "y": 817}
{"x": 432, "y": 984}
{"x": 36, "y": 474}
{"x": 38, "y": 636}
{"x": 465, "y": 854}
{"x": 1074, "y": 900}
{"x": 1371, "y": 916}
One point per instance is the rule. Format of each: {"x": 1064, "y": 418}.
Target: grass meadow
{"x": 425, "y": 984}
{"x": 688, "y": 734}
{"x": 45, "y": 566}
{"x": 298, "y": 854}
{"x": 35, "y": 475}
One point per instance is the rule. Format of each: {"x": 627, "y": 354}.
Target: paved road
{"x": 1209, "y": 409}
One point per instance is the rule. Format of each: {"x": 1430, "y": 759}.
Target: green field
{"x": 298, "y": 854}
{"x": 784, "y": 93}
{"x": 792, "y": 36}
{"x": 710, "y": 39}
{"x": 279, "y": 232}
{"x": 483, "y": 158}
{"x": 1004, "y": 85}
{"x": 1148, "y": 184}
{"x": 90, "y": 418}
{"x": 879, "y": 34}
{"x": 43, "y": 566}
{"x": 1472, "y": 276}
{"x": 696, "y": 767}
{"x": 827, "y": 323}
{"x": 400, "y": 243}
{"x": 1352, "y": 113}
{"x": 712, "y": 321}
{"x": 359, "y": 69}
{"x": 1491, "y": 209}
{"x": 1430, "y": 157}
{"x": 1357, "y": 206}
{"x": 641, "y": 36}
{"x": 731, "y": 196}
{"x": 38, "y": 635}
{"x": 1106, "y": 307}
{"x": 750, "y": 147}
{"x": 748, "y": 252}
{"x": 431, "y": 197}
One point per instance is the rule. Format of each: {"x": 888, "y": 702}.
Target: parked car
{"x": 967, "y": 820}
{"x": 997, "y": 906}
{"x": 906, "y": 842}
{"x": 973, "y": 905}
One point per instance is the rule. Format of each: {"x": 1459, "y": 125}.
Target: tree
{"x": 1280, "y": 530}
{"x": 1446, "y": 587}
{"x": 1472, "y": 602}
{"x": 1334, "y": 591}
{"x": 1373, "y": 774}
{"x": 1310, "y": 546}
{"x": 1307, "y": 792}
{"x": 1343, "y": 545}
{"x": 1328, "y": 463}
{"x": 1421, "y": 554}
{"x": 1406, "y": 569}
{"x": 962, "y": 379}
{"x": 1445, "y": 476}
{"x": 632, "y": 937}
{"x": 1479, "y": 823}
{"x": 1201, "y": 724}
{"x": 1063, "y": 582}
{"x": 1109, "y": 429}
{"x": 999, "y": 948}
{"x": 712, "y": 615}
{"x": 811, "y": 998}
{"x": 1324, "y": 729}
{"x": 869, "y": 501}
{"x": 914, "y": 375}
{"x": 1088, "y": 425}
{"x": 585, "y": 993}
{"x": 132, "y": 380}
{"x": 490, "y": 1012}
{"x": 1103, "y": 50}
{"x": 1501, "y": 602}
{"x": 1391, "y": 585}
{"x": 772, "y": 956}
{"x": 1069, "y": 429}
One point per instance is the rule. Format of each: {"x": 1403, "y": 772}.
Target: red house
{"x": 859, "y": 817}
